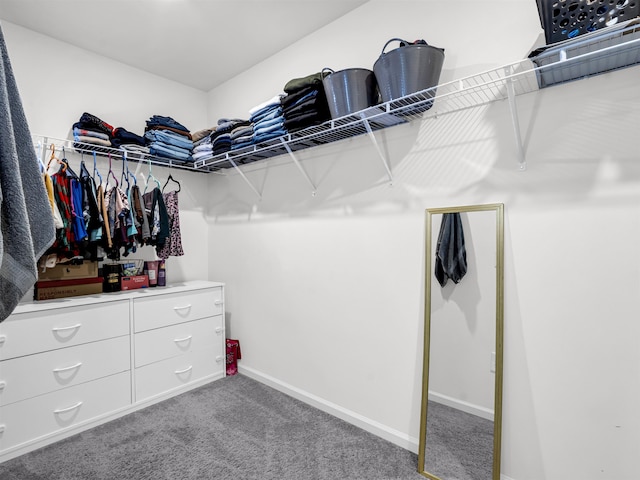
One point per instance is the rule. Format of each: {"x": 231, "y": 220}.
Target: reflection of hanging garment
{"x": 173, "y": 245}
{"x": 451, "y": 254}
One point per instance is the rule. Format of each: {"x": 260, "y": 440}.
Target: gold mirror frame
{"x": 499, "y": 311}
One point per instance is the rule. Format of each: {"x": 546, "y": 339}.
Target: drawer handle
{"x": 182, "y": 308}
{"x": 218, "y": 302}
{"x": 62, "y": 329}
{"x": 180, "y": 340}
{"x": 218, "y": 329}
{"x": 68, "y": 409}
{"x": 2, "y": 385}
{"x": 2, "y": 428}
{"x": 3, "y": 338}
{"x": 218, "y": 359}
{"x": 58, "y": 370}
{"x": 180, "y": 372}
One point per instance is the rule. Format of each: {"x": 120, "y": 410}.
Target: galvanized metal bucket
{"x": 350, "y": 90}
{"x": 408, "y": 69}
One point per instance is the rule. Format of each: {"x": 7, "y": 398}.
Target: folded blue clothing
{"x": 268, "y": 123}
{"x": 237, "y": 146}
{"x": 159, "y": 120}
{"x": 164, "y": 150}
{"x": 266, "y": 112}
{"x": 171, "y": 138}
{"x": 242, "y": 131}
{"x": 243, "y": 139}
{"x": 269, "y": 135}
{"x": 269, "y": 128}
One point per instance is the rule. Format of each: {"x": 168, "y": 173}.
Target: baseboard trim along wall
{"x": 390, "y": 434}
{"x": 461, "y": 405}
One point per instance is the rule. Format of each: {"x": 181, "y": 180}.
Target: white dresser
{"x": 70, "y": 364}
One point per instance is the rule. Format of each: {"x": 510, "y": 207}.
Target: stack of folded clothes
{"x": 129, "y": 141}
{"x": 168, "y": 139}
{"x": 268, "y": 120}
{"x": 221, "y": 141}
{"x": 305, "y": 103}
{"x": 92, "y": 133}
{"x": 202, "y": 148}
{"x": 241, "y": 136}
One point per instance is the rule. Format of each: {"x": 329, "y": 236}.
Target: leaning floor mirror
{"x": 461, "y": 415}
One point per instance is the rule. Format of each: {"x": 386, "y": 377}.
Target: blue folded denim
{"x": 164, "y": 150}
{"x": 279, "y": 120}
{"x": 279, "y": 125}
{"x": 168, "y": 137}
{"x": 268, "y": 114}
{"x": 159, "y": 120}
{"x": 269, "y": 135}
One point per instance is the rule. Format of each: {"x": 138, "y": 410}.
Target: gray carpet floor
{"x": 234, "y": 428}
{"x": 459, "y": 445}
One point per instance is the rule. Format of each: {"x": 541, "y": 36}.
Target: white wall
{"x": 58, "y": 82}
{"x": 325, "y": 293}
{"x": 463, "y": 321}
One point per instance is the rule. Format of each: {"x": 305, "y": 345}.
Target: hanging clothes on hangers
{"x": 92, "y": 214}
{"x": 158, "y": 218}
{"x": 173, "y": 244}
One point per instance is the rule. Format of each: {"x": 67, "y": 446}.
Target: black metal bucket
{"x": 408, "y": 69}
{"x": 350, "y": 90}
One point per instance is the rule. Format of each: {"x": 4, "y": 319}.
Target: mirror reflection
{"x": 462, "y": 378}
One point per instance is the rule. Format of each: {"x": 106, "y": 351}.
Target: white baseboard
{"x": 390, "y": 434}
{"x": 461, "y": 405}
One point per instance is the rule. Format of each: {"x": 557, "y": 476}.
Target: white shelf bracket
{"x": 244, "y": 177}
{"x": 314, "y": 189}
{"x": 515, "y": 122}
{"x": 383, "y": 157}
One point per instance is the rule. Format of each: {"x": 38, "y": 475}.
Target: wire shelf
{"x": 58, "y": 144}
{"x": 607, "y": 50}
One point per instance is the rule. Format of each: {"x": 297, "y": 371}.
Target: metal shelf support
{"x": 244, "y": 177}
{"x": 515, "y": 122}
{"x": 383, "y": 157}
{"x": 314, "y": 189}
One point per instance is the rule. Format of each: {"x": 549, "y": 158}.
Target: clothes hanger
{"x": 150, "y": 177}
{"x": 67, "y": 169}
{"x": 111, "y": 174}
{"x": 95, "y": 169}
{"x": 40, "y": 154}
{"x": 125, "y": 172}
{"x": 174, "y": 180}
{"x": 53, "y": 157}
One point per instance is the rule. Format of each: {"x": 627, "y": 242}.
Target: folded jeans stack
{"x": 166, "y": 138}
{"x": 268, "y": 120}
{"x": 221, "y": 141}
{"x": 305, "y": 103}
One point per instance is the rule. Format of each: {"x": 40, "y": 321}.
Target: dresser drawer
{"x": 32, "y": 375}
{"x": 162, "y": 343}
{"x": 170, "y": 309}
{"x": 45, "y": 414}
{"x": 34, "y": 332}
{"x": 174, "y": 372}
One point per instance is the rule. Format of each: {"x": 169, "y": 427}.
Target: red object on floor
{"x": 233, "y": 354}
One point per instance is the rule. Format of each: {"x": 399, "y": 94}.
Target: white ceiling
{"x": 201, "y": 43}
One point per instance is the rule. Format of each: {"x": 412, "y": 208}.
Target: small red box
{"x": 133, "y": 282}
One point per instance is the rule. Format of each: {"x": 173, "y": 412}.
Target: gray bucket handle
{"x": 326, "y": 68}
{"x": 392, "y": 40}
